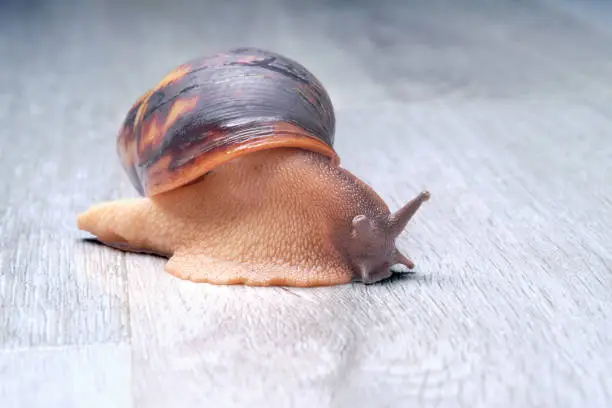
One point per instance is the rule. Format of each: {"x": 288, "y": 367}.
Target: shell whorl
{"x": 213, "y": 109}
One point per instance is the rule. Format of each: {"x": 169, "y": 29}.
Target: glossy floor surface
{"x": 501, "y": 109}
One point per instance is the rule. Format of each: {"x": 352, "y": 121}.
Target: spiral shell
{"x": 213, "y": 109}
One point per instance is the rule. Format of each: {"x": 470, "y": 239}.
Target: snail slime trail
{"x": 240, "y": 183}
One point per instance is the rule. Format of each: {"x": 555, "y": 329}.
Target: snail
{"x": 239, "y": 183}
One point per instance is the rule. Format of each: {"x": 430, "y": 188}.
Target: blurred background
{"x": 364, "y": 51}
{"x": 73, "y": 68}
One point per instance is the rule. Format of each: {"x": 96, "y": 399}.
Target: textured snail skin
{"x": 233, "y": 155}
{"x": 264, "y": 219}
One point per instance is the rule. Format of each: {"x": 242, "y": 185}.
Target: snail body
{"x": 233, "y": 158}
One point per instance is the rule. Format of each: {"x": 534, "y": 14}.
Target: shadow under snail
{"x": 239, "y": 182}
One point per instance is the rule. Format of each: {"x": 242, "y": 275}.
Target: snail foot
{"x": 198, "y": 267}
{"x": 122, "y": 224}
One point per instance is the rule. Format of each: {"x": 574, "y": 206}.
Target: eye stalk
{"x": 399, "y": 220}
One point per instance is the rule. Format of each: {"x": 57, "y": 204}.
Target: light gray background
{"x": 501, "y": 108}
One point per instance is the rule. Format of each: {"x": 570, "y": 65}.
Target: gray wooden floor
{"x": 501, "y": 109}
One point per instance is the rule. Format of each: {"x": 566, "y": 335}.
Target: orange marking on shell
{"x": 161, "y": 178}
{"x": 154, "y": 130}
{"x": 175, "y": 75}
{"x": 141, "y": 98}
{"x": 143, "y": 101}
{"x": 130, "y": 151}
{"x": 180, "y": 107}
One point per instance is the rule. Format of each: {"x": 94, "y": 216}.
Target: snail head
{"x": 372, "y": 245}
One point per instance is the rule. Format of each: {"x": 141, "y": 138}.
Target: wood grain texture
{"x": 500, "y": 109}
{"x": 54, "y": 290}
{"x": 67, "y": 377}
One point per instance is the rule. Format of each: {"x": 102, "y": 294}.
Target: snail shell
{"x": 214, "y": 109}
